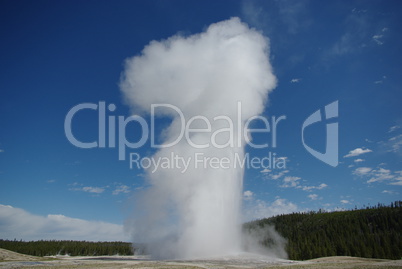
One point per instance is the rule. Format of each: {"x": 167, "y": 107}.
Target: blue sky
{"x": 55, "y": 55}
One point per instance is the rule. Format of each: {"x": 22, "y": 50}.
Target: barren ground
{"x": 9, "y": 259}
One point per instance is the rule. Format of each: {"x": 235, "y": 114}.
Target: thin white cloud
{"x": 258, "y": 209}
{"x": 97, "y": 190}
{"x": 253, "y": 14}
{"x": 294, "y": 182}
{"x": 389, "y": 192}
{"x": 397, "y": 182}
{"x": 359, "y": 160}
{"x": 279, "y": 175}
{"x": 378, "y": 39}
{"x": 355, "y": 10}
{"x": 381, "y": 80}
{"x": 266, "y": 170}
{"x": 393, "y": 128}
{"x": 345, "y": 202}
{"x": 395, "y": 143}
{"x": 121, "y": 189}
{"x": 248, "y": 195}
{"x": 362, "y": 171}
{"x": 294, "y": 14}
{"x": 322, "y": 186}
{"x": 313, "y": 197}
{"x": 20, "y": 224}
{"x": 295, "y": 80}
{"x": 379, "y": 175}
{"x": 89, "y": 189}
{"x": 309, "y": 188}
{"x": 290, "y": 182}
{"x": 357, "y": 152}
{"x": 1, "y": 150}
{"x": 357, "y": 36}
{"x": 344, "y": 45}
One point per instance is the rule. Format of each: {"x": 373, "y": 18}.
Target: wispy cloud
{"x": 121, "y": 189}
{"x": 359, "y": 160}
{"x": 397, "y": 182}
{"x": 379, "y": 175}
{"x": 290, "y": 182}
{"x": 248, "y": 195}
{"x": 93, "y": 189}
{"x": 357, "y": 152}
{"x": 294, "y": 15}
{"x": 381, "y": 81}
{"x": 359, "y": 34}
{"x": 253, "y": 13}
{"x": 294, "y": 182}
{"x": 389, "y": 192}
{"x": 362, "y": 171}
{"x": 313, "y": 197}
{"x": 20, "y": 224}
{"x": 395, "y": 143}
{"x": 278, "y": 175}
{"x": 343, "y": 46}
{"x": 258, "y": 209}
{"x": 266, "y": 170}
{"x": 295, "y": 80}
{"x": 96, "y": 190}
{"x": 345, "y": 202}
{"x": 319, "y": 187}
{"x": 378, "y": 39}
{"x": 394, "y": 128}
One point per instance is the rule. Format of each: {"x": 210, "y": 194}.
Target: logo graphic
{"x": 331, "y": 149}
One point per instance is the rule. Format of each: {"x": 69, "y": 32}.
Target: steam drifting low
{"x": 197, "y": 213}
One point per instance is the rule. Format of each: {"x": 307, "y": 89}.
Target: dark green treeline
{"x": 73, "y": 248}
{"x": 373, "y": 232}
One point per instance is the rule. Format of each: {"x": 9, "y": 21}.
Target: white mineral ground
{"x": 10, "y": 259}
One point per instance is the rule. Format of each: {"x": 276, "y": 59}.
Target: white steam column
{"x": 207, "y": 76}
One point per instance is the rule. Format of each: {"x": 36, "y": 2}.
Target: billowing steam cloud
{"x": 196, "y": 213}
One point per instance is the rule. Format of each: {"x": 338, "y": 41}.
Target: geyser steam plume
{"x": 197, "y": 213}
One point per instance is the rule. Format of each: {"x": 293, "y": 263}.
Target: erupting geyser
{"x": 196, "y": 213}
